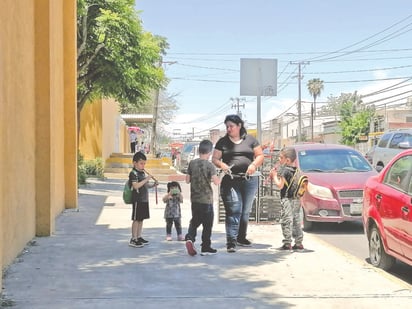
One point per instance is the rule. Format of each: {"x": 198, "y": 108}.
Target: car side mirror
{"x": 404, "y": 145}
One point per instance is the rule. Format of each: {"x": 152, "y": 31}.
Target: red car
{"x": 387, "y": 213}
{"x": 337, "y": 175}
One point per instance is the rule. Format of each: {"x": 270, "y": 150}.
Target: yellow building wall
{"x": 114, "y": 129}
{"x": 102, "y": 130}
{"x": 90, "y": 138}
{"x": 38, "y": 119}
{"x": 18, "y": 132}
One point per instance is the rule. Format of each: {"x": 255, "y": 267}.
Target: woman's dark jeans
{"x": 237, "y": 196}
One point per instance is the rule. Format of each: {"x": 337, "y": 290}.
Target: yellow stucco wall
{"x": 18, "y": 130}
{"x": 38, "y": 119}
{"x": 90, "y": 138}
{"x": 102, "y": 131}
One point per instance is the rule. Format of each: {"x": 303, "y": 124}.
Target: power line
{"x": 357, "y": 43}
{"x": 281, "y": 53}
{"x": 390, "y": 88}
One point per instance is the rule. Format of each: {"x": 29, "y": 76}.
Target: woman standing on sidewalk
{"x": 238, "y": 155}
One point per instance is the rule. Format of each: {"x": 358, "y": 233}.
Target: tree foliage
{"x": 116, "y": 58}
{"x": 315, "y": 88}
{"x": 355, "y": 119}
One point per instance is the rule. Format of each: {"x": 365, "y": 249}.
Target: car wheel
{"x": 306, "y": 225}
{"x": 377, "y": 255}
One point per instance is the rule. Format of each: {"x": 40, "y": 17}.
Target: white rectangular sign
{"x": 258, "y": 77}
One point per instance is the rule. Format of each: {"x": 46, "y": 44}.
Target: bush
{"x": 89, "y": 168}
{"x": 81, "y": 175}
{"x": 94, "y": 167}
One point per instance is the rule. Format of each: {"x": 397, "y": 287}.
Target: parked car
{"x": 194, "y": 154}
{"x": 390, "y": 144}
{"x": 369, "y": 154}
{"x": 387, "y": 213}
{"x": 337, "y": 175}
{"x": 185, "y": 156}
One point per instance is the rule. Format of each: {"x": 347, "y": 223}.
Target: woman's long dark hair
{"x": 236, "y": 119}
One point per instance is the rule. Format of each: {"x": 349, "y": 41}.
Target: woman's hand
{"x": 224, "y": 167}
{"x": 251, "y": 169}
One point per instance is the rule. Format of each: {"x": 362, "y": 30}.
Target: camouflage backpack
{"x": 298, "y": 184}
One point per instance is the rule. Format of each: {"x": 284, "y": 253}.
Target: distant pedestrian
{"x": 173, "y": 213}
{"x": 283, "y": 176}
{"x": 139, "y": 181}
{"x": 133, "y": 140}
{"x": 200, "y": 173}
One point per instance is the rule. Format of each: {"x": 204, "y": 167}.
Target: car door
{"x": 393, "y": 147}
{"x": 407, "y": 211}
{"x": 396, "y": 208}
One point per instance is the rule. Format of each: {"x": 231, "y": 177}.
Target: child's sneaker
{"x": 286, "y": 247}
{"x": 169, "y": 237}
{"x": 135, "y": 243}
{"x": 191, "y": 249}
{"x": 180, "y": 238}
{"x": 208, "y": 251}
{"x": 298, "y": 247}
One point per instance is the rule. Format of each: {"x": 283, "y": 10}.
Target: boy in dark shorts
{"x": 139, "y": 181}
{"x": 200, "y": 173}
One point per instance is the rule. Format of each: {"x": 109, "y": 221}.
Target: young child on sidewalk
{"x": 283, "y": 176}
{"x": 173, "y": 213}
{"x": 200, "y": 173}
{"x": 139, "y": 181}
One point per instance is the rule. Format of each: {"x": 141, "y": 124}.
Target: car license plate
{"x": 355, "y": 209}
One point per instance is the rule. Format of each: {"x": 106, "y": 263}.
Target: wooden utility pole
{"x": 300, "y": 77}
{"x": 237, "y": 105}
{"x": 153, "y": 140}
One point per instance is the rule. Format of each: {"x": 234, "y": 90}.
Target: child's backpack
{"x": 298, "y": 184}
{"x": 127, "y": 192}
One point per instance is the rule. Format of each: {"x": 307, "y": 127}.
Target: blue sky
{"x": 350, "y": 45}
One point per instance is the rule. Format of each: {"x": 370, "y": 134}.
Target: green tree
{"x": 355, "y": 119}
{"x": 315, "y": 87}
{"x": 116, "y": 58}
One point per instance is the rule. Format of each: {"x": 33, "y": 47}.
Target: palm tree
{"x": 315, "y": 87}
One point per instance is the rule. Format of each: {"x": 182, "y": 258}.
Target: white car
{"x": 390, "y": 144}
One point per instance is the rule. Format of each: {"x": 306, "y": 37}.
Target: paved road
{"x": 87, "y": 264}
{"x": 349, "y": 237}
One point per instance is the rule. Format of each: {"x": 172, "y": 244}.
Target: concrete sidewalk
{"x": 88, "y": 264}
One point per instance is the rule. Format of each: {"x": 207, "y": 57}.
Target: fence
{"x": 266, "y": 206}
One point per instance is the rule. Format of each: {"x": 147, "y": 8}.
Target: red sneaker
{"x": 190, "y": 246}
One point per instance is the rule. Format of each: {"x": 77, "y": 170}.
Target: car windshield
{"x": 332, "y": 160}
{"x": 188, "y": 147}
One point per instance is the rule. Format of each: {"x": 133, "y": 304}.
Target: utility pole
{"x": 237, "y": 105}
{"x": 153, "y": 141}
{"x": 300, "y": 77}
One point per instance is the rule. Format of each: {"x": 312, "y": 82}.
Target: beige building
{"x": 38, "y": 134}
